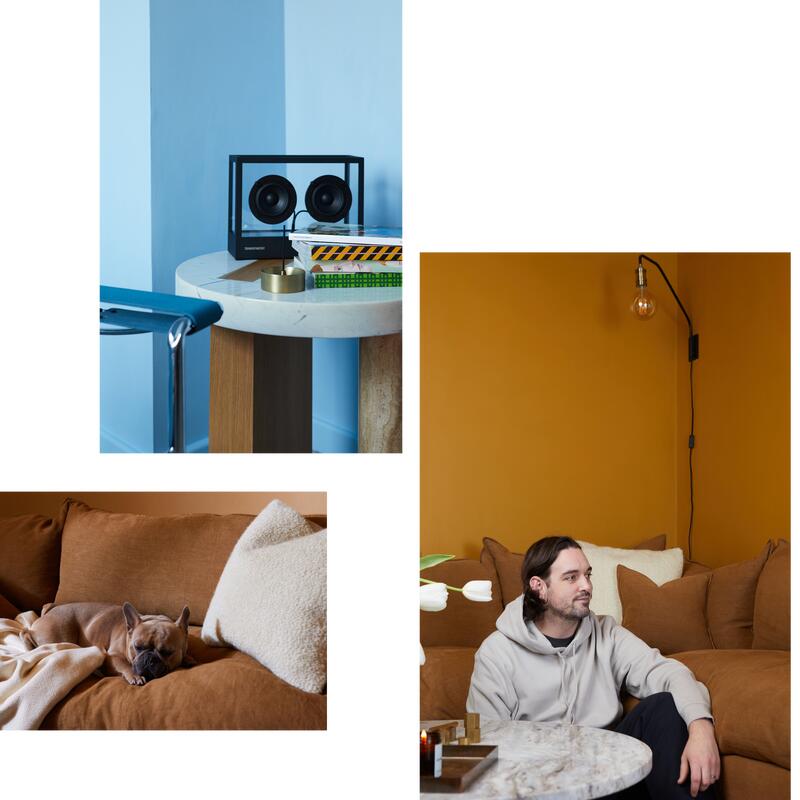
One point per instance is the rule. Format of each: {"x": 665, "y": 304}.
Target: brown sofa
{"x": 159, "y": 564}
{"x": 748, "y": 683}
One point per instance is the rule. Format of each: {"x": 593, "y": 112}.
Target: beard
{"x": 571, "y": 611}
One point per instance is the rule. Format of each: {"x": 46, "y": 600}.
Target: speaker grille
{"x": 328, "y": 198}
{"x": 272, "y": 199}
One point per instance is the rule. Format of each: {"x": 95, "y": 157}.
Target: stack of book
{"x": 346, "y": 256}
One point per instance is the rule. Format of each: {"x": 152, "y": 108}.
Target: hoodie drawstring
{"x": 568, "y": 691}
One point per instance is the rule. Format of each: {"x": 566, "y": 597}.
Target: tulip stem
{"x": 451, "y": 588}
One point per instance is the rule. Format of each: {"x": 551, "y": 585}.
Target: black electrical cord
{"x": 297, "y": 214}
{"x": 691, "y": 450}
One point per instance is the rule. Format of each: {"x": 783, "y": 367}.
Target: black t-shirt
{"x": 560, "y": 642}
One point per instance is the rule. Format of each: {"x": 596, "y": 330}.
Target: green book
{"x": 348, "y": 280}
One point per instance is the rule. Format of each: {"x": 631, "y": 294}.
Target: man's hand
{"x": 700, "y": 757}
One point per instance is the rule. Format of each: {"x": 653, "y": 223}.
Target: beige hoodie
{"x": 518, "y": 674}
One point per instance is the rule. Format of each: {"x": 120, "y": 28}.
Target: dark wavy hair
{"x": 537, "y": 563}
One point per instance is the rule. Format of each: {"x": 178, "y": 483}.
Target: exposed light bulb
{"x": 644, "y": 304}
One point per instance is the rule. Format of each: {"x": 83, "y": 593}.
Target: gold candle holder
{"x": 283, "y": 280}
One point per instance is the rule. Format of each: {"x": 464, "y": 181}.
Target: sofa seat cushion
{"x": 7, "y": 610}
{"x": 749, "y": 699}
{"x": 226, "y": 690}
{"x": 746, "y": 778}
{"x": 444, "y": 682}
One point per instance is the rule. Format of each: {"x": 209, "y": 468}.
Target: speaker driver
{"x": 328, "y": 198}
{"x": 272, "y": 199}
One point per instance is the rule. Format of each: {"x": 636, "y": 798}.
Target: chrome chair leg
{"x": 175, "y": 337}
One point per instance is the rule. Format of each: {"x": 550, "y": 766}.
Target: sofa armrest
{"x": 444, "y": 682}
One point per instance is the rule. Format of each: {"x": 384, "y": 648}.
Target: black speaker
{"x": 272, "y": 201}
{"x": 328, "y": 198}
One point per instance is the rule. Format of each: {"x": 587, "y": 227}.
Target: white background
{"x": 580, "y": 126}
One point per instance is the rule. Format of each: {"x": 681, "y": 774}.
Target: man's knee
{"x": 656, "y": 712}
{"x": 661, "y": 702}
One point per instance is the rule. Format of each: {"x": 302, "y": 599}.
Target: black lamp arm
{"x": 694, "y": 343}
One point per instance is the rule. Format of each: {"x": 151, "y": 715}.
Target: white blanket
{"x": 33, "y": 681}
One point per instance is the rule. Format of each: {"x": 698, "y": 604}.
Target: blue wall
{"x": 126, "y": 387}
{"x": 346, "y": 99}
{"x": 208, "y": 79}
{"x": 217, "y": 87}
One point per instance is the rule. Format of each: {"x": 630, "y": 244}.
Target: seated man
{"x": 553, "y": 660}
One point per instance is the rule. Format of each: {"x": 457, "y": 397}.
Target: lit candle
{"x": 425, "y": 754}
{"x": 430, "y": 754}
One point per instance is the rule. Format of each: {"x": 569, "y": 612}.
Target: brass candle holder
{"x": 280, "y": 279}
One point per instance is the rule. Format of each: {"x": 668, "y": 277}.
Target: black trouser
{"x": 656, "y": 722}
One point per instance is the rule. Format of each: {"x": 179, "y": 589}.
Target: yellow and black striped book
{"x": 356, "y": 252}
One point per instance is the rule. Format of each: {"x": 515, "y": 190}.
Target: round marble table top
{"x": 322, "y": 313}
{"x": 556, "y": 761}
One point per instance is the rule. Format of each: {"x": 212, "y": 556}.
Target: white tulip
{"x": 433, "y": 597}
{"x": 478, "y": 591}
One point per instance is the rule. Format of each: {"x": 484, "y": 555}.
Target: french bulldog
{"x": 138, "y": 647}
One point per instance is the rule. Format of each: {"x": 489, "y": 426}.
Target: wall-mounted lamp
{"x": 643, "y": 307}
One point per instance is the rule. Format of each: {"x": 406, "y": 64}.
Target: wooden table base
{"x": 260, "y": 395}
{"x": 380, "y": 394}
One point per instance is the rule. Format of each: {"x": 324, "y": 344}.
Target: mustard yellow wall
{"x": 160, "y": 503}
{"x": 740, "y": 308}
{"x": 546, "y": 407}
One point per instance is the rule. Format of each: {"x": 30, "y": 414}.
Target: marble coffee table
{"x": 556, "y": 762}
{"x": 260, "y": 375}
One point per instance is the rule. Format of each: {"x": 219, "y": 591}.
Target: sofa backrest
{"x": 30, "y": 547}
{"x": 464, "y": 623}
{"x": 771, "y": 625}
{"x": 159, "y": 564}
{"x": 748, "y": 603}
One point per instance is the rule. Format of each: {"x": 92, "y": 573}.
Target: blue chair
{"x": 154, "y": 312}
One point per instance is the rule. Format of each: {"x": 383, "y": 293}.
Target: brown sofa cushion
{"x": 771, "y": 628}
{"x": 694, "y": 568}
{"x": 7, "y": 610}
{"x": 464, "y": 623}
{"x": 731, "y": 597}
{"x": 670, "y": 617}
{"x": 159, "y": 564}
{"x": 508, "y": 566}
{"x": 29, "y": 553}
{"x": 705, "y": 609}
{"x": 444, "y": 682}
{"x": 226, "y": 690}
{"x": 745, "y": 778}
{"x": 656, "y": 543}
{"x": 749, "y": 699}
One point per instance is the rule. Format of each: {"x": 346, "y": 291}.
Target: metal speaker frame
{"x": 243, "y": 244}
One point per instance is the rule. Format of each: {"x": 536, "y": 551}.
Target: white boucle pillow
{"x": 659, "y": 566}
{"x": 271, "y": 599}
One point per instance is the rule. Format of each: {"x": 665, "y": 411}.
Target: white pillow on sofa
{"x": 659, "y": 566}
{"x": 271, "y": 599}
